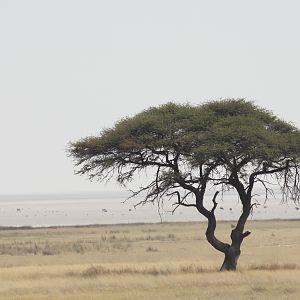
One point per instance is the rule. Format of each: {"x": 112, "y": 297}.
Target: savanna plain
{"x": 148, "y": 261}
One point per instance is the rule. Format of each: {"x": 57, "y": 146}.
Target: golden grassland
{"x": 148, "y": 261}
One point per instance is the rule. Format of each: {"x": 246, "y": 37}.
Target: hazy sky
{"x": 70, "y": 68}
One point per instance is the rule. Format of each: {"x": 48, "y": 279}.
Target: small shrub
{"x": 191, "y": 269}
{"x": 258, "y": 289}
{"x": 151, "y": 249}
{"x": 78, "y": 247}
{"x": 48, "y": 250}
{"x": 171, "y": 236}
{"x": 94, "y": 271}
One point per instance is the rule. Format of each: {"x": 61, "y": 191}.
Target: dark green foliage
{"x": 231, "y": 133}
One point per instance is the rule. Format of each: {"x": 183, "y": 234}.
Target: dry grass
{"x": 159, "y": 261}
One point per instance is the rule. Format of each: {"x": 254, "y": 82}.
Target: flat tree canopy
{"x": 229, "y": 144}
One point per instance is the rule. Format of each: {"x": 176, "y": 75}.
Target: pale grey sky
{"x": 70, "y": 68}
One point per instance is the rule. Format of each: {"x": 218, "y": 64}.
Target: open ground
{"x": 148, "y": 261}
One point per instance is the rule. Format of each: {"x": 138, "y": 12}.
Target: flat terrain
{"x": 148, "y": 261}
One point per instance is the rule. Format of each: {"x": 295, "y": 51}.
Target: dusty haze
{"x": 70, "y": 68}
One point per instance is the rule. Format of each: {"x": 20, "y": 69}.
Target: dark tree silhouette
{"x": 228, "y": 144}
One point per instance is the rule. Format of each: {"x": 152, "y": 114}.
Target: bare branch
{"x": 214, "y": 202}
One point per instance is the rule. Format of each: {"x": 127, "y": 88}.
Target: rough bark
{"x": 232, "y": 255}
{"x": 233, "y": 252}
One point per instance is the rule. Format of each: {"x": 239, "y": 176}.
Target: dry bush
{"x": 149, "y": 230}
{"x": 95, "y": 271}
{"x": 274, "y": 267}
{"x": 152, "y": 249}
{"x": 193, "y": 269}
{"x": 19, "y": 248}
{"x": 16, "y": 248}
{"x": 99, "y": 270}
{"x": 159, "y": 237}
{"x": 50, "y": 249}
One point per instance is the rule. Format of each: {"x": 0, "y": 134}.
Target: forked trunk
{"x": 232, "y": 252}
{"x": 231, "y": 258}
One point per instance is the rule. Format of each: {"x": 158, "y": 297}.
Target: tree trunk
{"x": 232, "y": 252}
{"x": 232, "y": 255}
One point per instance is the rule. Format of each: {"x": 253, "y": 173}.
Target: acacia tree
{"x": 228, "y": 144}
